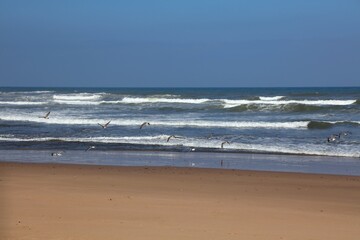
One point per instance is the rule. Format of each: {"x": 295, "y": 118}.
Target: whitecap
{"x": 271, "y": 98}
{"x": 235, "y": 103}
{"x": 22, "y": 103}
{"x": 77, "y": 97}
{"x": 134, "y": 100}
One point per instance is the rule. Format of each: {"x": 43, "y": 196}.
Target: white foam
{"x": 162, "y": 100}
{"x": 22, "y": 103}
{"x": 271, "y": 98}
{"x": 58, "y": 119}
{"x": 235, "y": 103}
{"x": 125, "y": 139}
{"x": 77, "y": 97}
{"x": 77, "y": 102}
{"x": 308, "y": 149}
{"x": 236, "y": 124}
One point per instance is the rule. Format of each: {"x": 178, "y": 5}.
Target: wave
{"x": 126, "y": 139}
{"x": 163, "y": 100}
{"x": 235, "y": 103}
{"x": 77, "y": 97}
{"x": 283, "y": 108}
{"x": 203, "y": 145}
{"x": 31, "y": 92}
{"x": 228, "y": 103}
{"x": 77, "y": 102}
{"x": 325, "y": 125}
{"x": 169, "y": 123}
{"x": 175, "y": 123}
{"x": 22, "y": 103}
{"x": 271, "y": 98}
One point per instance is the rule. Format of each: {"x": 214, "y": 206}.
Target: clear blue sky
{"x": 203, "y": 43}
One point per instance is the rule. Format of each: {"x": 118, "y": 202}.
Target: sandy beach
{"x": 54, "y": 201}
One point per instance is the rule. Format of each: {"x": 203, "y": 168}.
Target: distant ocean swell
{"x": 97, "y": 99}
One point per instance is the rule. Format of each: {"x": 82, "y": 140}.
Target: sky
{"x": 162, "y": 43}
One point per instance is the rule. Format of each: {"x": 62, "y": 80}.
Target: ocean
{"x": 291, "y": 121}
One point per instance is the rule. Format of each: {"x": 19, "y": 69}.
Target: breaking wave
{"x": 200, "y": 144}
{"x": 271, "y": 98}
{"x": 325, "y": 125}
{"x": 134, "y": 100}
{"x": 170, "y": 123}
{"x": 77, "y": 97}
{"x": 235, "y": 103}
{"x": 19, "y": 103}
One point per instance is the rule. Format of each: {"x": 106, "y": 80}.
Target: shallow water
{"x": 253, "y": 120}
{"x": 243, "y": 161}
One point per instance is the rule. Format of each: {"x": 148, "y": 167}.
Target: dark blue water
{"x": 252, "y": 120}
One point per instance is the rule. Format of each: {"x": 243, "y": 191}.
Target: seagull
{"x": 46, "y": 116}
{"x": 144, "y": 123}
{"x": 105, "y": 125}
{"x": 89, "y": 148}
{"x": 222, "y": 144}
{"x": 56, "y": 154}
{"x": 344, "y": 134}
{"x": 333, "y": 138}
{"x": 172, "y": 136}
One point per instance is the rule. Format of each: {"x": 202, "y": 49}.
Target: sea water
{"x": 295, "y": 121}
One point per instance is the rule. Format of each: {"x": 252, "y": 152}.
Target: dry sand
{"x": 45, "y": 201}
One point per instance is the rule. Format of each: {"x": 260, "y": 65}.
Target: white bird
{"x": 46, "y": 116}
{"x": 105, "y": 125}
{"x": 333, "y": 138}
{"x": 143, "y": 124}
{"x": 56, "y": 154}
{"x": 89, "y": 148}
{"x": 222, "y": 144}
{"x": 344, "y": 134}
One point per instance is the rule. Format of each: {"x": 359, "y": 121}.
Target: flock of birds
{"x": 331, "y": 139}
{"x": 59, "y": 153}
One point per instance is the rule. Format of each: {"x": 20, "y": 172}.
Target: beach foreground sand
{"x": 46, "y": 201}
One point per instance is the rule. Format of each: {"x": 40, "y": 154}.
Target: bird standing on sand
{"x": 143, "y": 124}
{"x": 46, "y": 116}
{"x": 222, "y": 144}
{"x": 105, "y": 125}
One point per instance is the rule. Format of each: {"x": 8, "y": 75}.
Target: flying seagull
{"x": 144, "y": 123}
{"x": 222, "y": 144}
{"x": 89, "y": 148}
{"x": 105, "y": 125}
{"x": 46, "y": 116}
{"x": 172, "y": 136}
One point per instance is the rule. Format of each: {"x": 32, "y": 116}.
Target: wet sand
{"x": 55, "y": 201}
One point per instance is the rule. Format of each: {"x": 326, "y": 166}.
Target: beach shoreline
{"x": 239, "y": 161}
{"x": 69, "y": 201}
